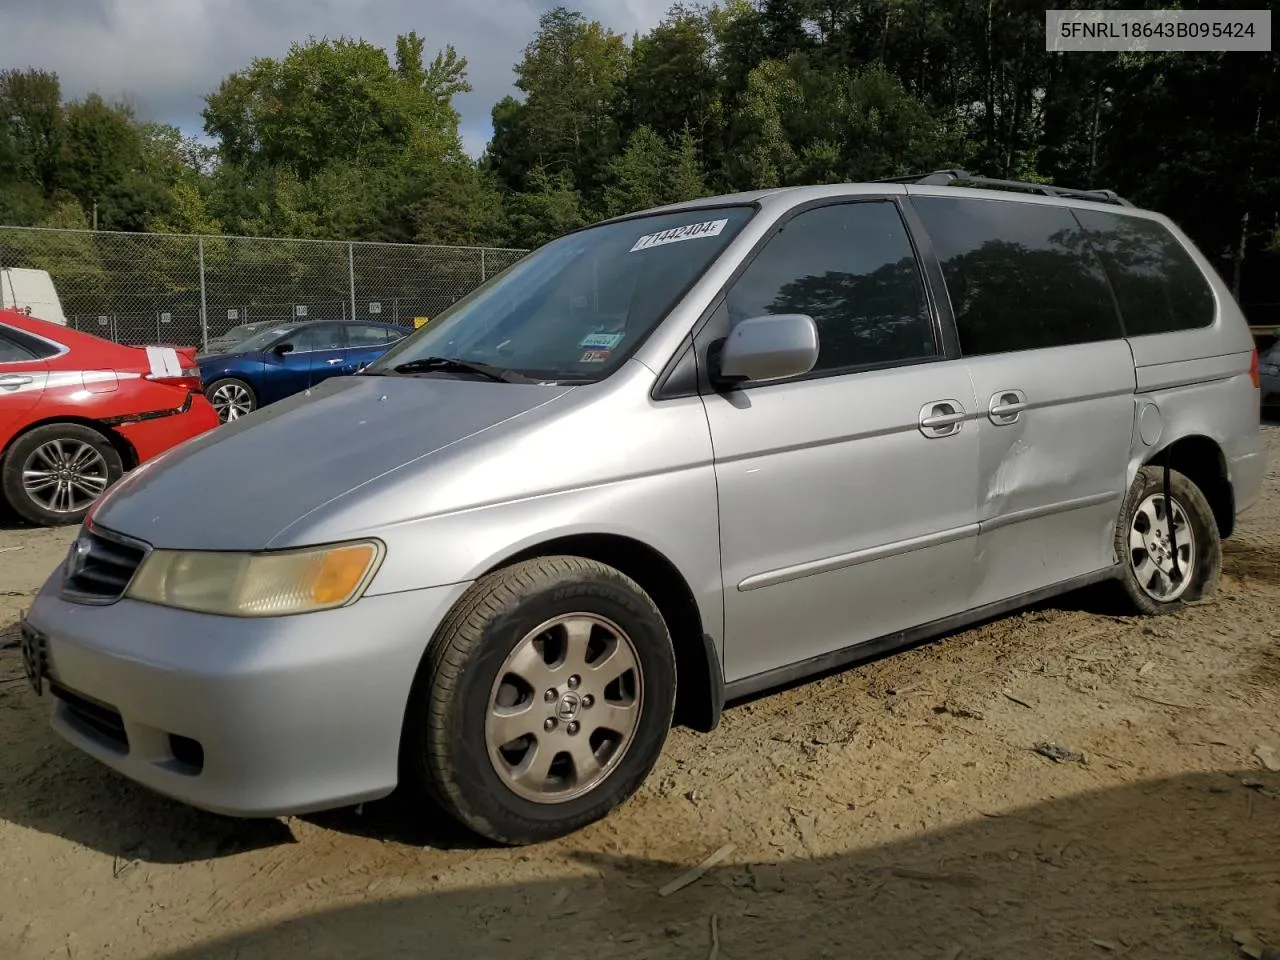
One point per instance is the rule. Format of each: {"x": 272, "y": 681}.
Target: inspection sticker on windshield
{"x": 595, "y": 356}
{"x": 692, "y": 231}
{"x": 600, "y": 341}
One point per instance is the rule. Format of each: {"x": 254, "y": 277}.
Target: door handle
{"x": 12, "y": 381}
{"x": 334, "y": 360}
{"x": 1006, "y": 407}
{"x": 942, "y": 418}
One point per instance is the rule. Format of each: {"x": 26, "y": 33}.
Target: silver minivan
{"x": 660, "y": 463}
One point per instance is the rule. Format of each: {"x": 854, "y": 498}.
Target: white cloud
{"x": 163, "y": 56}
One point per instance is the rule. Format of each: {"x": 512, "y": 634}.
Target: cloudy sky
{"x": 163, "y": 56}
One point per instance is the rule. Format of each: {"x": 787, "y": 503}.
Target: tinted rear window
{"x": 1021, "y": 276}
{"x": 1159, "y": 287}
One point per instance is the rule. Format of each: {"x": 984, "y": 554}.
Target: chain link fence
{"x": 140, "y": 288}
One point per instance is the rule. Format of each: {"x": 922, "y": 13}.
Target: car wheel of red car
{"x": 53, "y": 474}
{"x": 232, "y": 398}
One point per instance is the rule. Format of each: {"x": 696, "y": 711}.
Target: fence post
{"x": 204, "y": 304}
{"x": 351, "y": 271}
{"x": 483, "y": 274}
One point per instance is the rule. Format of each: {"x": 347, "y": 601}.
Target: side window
{"x": 321, "y": 336}
{"x": 358, "y": 336}
{"x": 1159, "y": 287}
{"x": 852, "y": 268}
{"x": 13, "y": 352}
{"x": 1021, "y": 275}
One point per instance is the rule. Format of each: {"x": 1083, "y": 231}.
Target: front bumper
{"x": 290, "y": 714}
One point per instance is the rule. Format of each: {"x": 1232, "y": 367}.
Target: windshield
{"x": 262, "y": 340}
{"x": 575, "y": 309}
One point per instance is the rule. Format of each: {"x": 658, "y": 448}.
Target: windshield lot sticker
{"x": 693, "y": 231}
{"x": 600, "y": 341}
{"x": 595, "y": 356}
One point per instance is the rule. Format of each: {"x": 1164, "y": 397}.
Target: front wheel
{"x": 232, "y": 398}
{"x": 1154, "y": 530}
{"x": 544, "y": 700}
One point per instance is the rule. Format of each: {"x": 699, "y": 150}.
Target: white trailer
{"x": 31, "y": 291}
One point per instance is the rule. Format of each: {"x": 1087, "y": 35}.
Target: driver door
{"x": 293, "y": 370}
{"x": 847, "y": 496}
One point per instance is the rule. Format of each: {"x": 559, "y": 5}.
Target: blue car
{"x": 288, "y": 358}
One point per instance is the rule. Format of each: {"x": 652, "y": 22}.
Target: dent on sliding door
{"x": 1054, "y": 379}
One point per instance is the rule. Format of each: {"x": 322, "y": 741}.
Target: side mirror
{"x": 769, "y": 348}
{"x": 280, "y": 349}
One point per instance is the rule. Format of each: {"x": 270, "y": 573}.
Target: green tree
{"x": 103, "y": 163}
{"x": 651, "y": 172}
{"x": 571, "y": 74}
{"x": 672, "y": 83}
{"x": 338, "y": 102}
{"x": 549, "y": 208}
{"x": 31, "y": 128}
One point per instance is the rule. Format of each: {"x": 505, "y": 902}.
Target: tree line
{"x": 341, "y": 139}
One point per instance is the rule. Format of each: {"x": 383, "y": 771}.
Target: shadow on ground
{"x": 1163, "y": 869}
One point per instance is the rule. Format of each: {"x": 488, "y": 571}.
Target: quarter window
{"x": 850, "y": 267}
{"x": 17, "y": 346}
{"x": 1021, "y": 276}
{"x": 1159, "y": 287}
{"x": 12, "y": 352}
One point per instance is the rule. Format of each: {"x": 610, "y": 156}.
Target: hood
{"x": 239, "y": 485}
{"x": 221, "y": 354}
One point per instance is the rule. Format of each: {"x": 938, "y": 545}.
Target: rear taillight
{"x": 187, "y": 377}
{"x": 1253, "y": 370}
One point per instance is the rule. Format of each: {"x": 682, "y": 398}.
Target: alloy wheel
{"x": 564, "y": 708}
{"x": 65, "y": 476}
{"x": 231, "y": 401}
{"x": 1151, "y": 550}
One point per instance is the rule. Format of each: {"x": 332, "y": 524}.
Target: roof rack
{"x": 942, "y": 178}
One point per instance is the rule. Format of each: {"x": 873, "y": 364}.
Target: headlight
{"x": 258, "y": 584}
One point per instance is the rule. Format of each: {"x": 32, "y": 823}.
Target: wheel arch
{"x": 128, "y": 455}
{"x": 1202, "y": 461}
{"x": 699, "y": 676}
{"x": 247, "y": 379}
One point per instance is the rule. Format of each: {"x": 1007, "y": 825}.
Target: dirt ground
{"x": 896, "y": 810}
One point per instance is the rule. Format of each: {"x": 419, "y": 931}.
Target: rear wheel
{"x": 1154, "y": 529}
{"x": 544, "y": 701}
{"x": 232, "y": 398}
{"x": 53, "y": 474}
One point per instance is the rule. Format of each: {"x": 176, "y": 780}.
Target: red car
{"x": 77, "y": 411}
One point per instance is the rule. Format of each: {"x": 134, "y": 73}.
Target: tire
{"x": 78, "y": 463}
{"x": 232, "y": 398}
{"x": 453, "y": 746}
{"x": 1201, "y": 554}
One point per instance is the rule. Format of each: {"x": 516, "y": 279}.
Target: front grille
{"x": 100, "y": 566}
{"x": 97, "y": 719}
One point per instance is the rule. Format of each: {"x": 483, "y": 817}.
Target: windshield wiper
{"x": 427, "y": 364}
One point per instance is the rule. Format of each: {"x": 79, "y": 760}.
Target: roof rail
{"x": 941, "y": 178}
